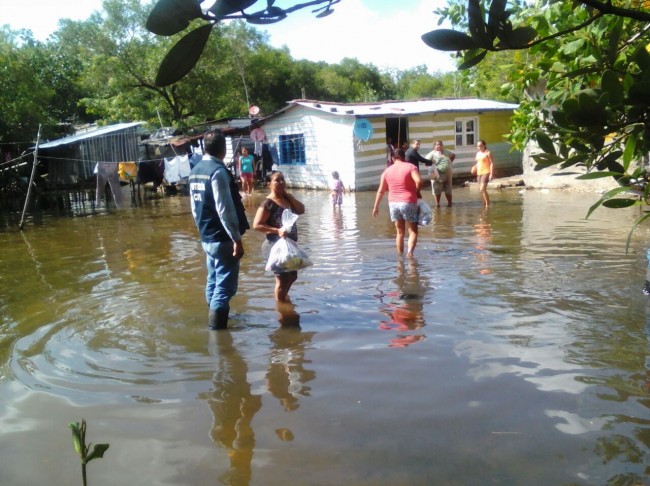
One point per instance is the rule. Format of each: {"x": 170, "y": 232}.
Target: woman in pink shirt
{"x": 403, "y": 182}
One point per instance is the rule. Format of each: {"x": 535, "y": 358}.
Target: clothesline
{"x": 67, "y": 159}
{"x": 7, "y": 162}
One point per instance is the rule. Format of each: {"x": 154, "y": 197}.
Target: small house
{"x": 72, "y": 159}
{"x": 310, "y": 139}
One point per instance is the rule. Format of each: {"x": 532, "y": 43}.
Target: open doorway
{"x": 397, "y": 130}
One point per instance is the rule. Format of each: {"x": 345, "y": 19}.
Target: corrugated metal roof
{"x": 396, "y": 108}
{"x": 89, "y": 134}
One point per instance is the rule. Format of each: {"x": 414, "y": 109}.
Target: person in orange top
{"x": 403, "y": 182}
{"x": 484, "y": 169}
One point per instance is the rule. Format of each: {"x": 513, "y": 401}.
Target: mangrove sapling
{"x": 79, "y": 441}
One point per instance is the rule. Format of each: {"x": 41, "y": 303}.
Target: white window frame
{"x": 466, "y": 137}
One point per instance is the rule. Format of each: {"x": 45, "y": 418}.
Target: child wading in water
{"x": 337, "y": 190}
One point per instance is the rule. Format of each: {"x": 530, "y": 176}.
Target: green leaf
{"x": 560, "y": 119}
{"x": 610, "y": 162}
{"x": 496, "y": 15}
{"x": 574, "y": 160}
{"x": 541, "y": 165}
{"x": 608, "y": 195}
{"x": 614, "y": 36}
{"x": 170, "y": 17}
{"x": 324, "y": 13}
{"x": 544, "y": 141}
{"x": 642, "y": 57}
{"x": 639, "y": 93}
{"x": 570, "y": 106}
{"x": 519, "y": 37}
{"x": 628, "y": 81}
{"x": 619, "y": 203}
{"x": 468, "y": 63}
{"x": 448, "y": 40}
{"x": 268, "y": 16}
{"x": 603, "y": 101}
{"x": 572, "y": 47}
{"x": 546, "y": 160}
{"x": 630, "y": 149}
{"x": 591, "y": 113}
{"x": 597, "y": 175}
{"x": 183, "y": 56}
{"x": 477, "y": 27}
{"x": 636, "y": 223}
{"x": 222, "y": 8}
{"x": 614, "y": 166}
{"x": 612, "y": 84}
{"x": 558, "y": 67}
{"x": 97, "y": 452}
{"x": 76, "y": 436}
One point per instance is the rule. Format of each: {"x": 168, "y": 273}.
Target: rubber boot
{"x": 218, "y": 319}
{"x": 449, "y": 201}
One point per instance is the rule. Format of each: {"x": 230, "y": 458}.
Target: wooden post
{"x": 31, "y": 180}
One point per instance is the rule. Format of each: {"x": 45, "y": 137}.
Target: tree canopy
{"x": 104, "y": 70}
{"x": 585, "y": 66}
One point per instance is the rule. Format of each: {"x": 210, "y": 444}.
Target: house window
{"x": 292, "y": 149}
{"x": 466, "y": 132}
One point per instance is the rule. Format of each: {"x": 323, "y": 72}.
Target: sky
{"x": 385, "y": 33}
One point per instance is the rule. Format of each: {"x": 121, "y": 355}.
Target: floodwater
{"x": 512, "y": 350}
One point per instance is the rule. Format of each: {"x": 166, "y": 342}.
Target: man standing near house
{"x": 221, "y": 220}
{"x": 414, "y": 157}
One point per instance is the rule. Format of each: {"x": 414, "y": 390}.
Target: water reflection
{"x": 286, "y": 376}
{"x": 234, "y": 405}
{"x": 404, "y": 306}
{"x": 233, "y": 408}
{"x": 287, "y": 315}
{"x": 540, "y": 351}
{"x": 483, "y": 243}
{"x": 337, "y": 226}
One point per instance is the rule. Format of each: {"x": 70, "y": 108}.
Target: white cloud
{"x": 385, "y": 33}
{"x": 371, "y": 34}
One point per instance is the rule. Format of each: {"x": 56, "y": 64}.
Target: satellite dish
{"x": 253, "y": 110}
{"x": 363, "y": 129}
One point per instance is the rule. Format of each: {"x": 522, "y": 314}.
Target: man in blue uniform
{"x": 221, "y": 220}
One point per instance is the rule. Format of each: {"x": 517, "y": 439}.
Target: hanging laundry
{"x": 127, "y": 171}
{"x": 258, "y": 135}
{"x": 107, "y": 172}
{"x": 177, "y": 168}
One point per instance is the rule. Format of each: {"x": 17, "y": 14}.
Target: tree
{"x": 171, "y": 17}
{"x": 351, "y": 81}
{"x": 120, "y": 60}
{"x": 590, "y": 61}
{"x": 37, "y": 87}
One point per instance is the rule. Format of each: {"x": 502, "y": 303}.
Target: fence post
{"x": 31, "y": 179}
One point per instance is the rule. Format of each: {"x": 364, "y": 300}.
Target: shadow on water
{"x": 512, "y": 349}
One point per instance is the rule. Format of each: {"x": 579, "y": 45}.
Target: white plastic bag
{"x": 285, "y": 255}
{"x": 424, "y": 213}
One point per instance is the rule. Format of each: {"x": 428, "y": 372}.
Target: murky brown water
{"x": 511, "y": 351}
